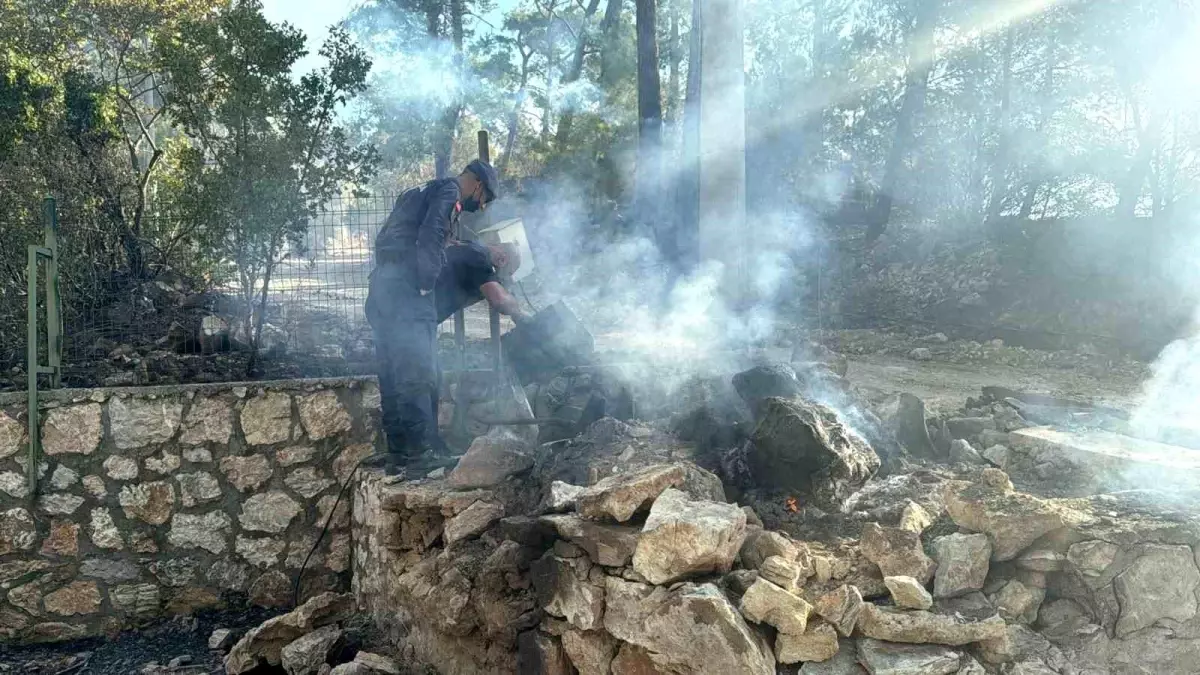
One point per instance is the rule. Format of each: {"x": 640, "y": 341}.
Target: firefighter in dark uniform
{"x": 402, "y": 309}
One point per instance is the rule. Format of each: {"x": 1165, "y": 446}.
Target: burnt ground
{"x": 127, "y": 654}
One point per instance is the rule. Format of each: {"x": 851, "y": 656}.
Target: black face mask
{"x": 470, "y": 204}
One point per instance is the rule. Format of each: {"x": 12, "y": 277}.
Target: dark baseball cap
{"x": 486, "y": 175}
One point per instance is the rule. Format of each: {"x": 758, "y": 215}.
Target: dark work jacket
{"x": 410, "y": 252}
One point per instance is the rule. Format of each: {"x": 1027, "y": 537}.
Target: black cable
{"x": 325, "y": 527}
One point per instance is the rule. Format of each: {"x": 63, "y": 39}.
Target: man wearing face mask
{"x": 402, "y": 310}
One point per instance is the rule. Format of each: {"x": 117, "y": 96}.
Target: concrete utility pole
{"x": 722, "y": 143}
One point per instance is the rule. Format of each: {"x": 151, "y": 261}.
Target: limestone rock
{"x": 138, "y": 422}
{"x": 197, "y": 488}
{"x": 73, "y": 430}
{"x": 175, "y": 571}
{"x": 267, "y": 419}
{"x": 63, "y": 477}
{"x": 135, "y": 599}
{"x": 762, "y": 544}
{"x": 904, "y": 417}
{"x": 297, "y": 454}
{"x": 305, "y": 655}
{"x": 619, "y": 497}
{"x": 884, "y": 658}
{"x": 270, "y": 512}
{"x": 782, "y": 572}
{"x": 271, "y": 589}
{"x": 962, "y": 563}
{"x": 209, "y": 531}
{"x": 246, "y": 473}
{"x": 917, "y": 627}
{"x": 766, "y": 381}
{"x": 120, "y": 468}
{"x": 208, "y": 420}
{"x": 14, "y": 485}
{"x": 308, "y": 482}
{"x": 969, "y": 427}
{"x": 59, "y": 504}
{"x": 907, "y": 593}
{"x": 108, "y": 570}
{"x": 606, "y": 544}
{"x": 54, "y": 631}
{"x": 12, "y": 436}
{"x": 997, "y": 455}
{"x": 841, "y": 608}
{"x": 1160, "y": 584}
{"x": 163, "y": 464}
{"x": 591, "y": 652}
{"x": 1092, "y": 558}
{"x": 631, "y": 660}
{"x": 490, "y": 460}
{"x": 1042, "y": 561}
{"x": 265, "y": 643}
{"x": 472, "y": 522}
{"x": 961, "y": 452}
{"x": 818, "y": 643}
{"x": 150, "y": 503}
{"x": 104, "y": 531}
{"x": 1017, "y": 602}
{"x": 682, "y": 537}
{"x": 670, "y": 625}
{"x": 95, "y": 487}
{"x": 323, "y": 415}
{"x": 63, "y": 539}
{"x": 349, "y": 458}
{"x": 765, "y": 602}
{"x": 376, "y": 664}
{"x": 897, "y": 552}
{"x": 1011, "y": 520}
{"x": 996, "y": 480}
{"x": 198, "y": 455}
{"x": 565, "y": 590}
{"x": 562, "y": 496}
{"x": 914, "y": 518}
{"x": 80, "y": 597}
{"x": 220, "y": 639}
{"x": 844, "y": 662}
{"x": 804, "y": 446}
{"x": 228, "y": 575}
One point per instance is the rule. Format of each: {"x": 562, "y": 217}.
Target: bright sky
{"x": 314, "y": 17}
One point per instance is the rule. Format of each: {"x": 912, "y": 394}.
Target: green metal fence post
{"x": 49, "y": 251}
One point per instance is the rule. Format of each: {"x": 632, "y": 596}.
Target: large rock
{"x": 267, "y": 419}
{"x": 565, "y": 590}
{"x": 269, "y": 512}
{"x": 904, "y": 417}
{"x": 209, "y": 531}
{"x": 150, "y": 503}
{"x": 1011, "y": 520}
{"x": 138, "y": 422}
{"x": 265, "y": 643}
{"x": 1160, "y": 584}
{"x": 307, "y": 481}
{"x": 12, "y": 436}
{"x": 73, "y": 430}
{"x": 818, "y": 643}
{"x": 208, "y": 420}
{"x": 619, "y": 497}
{"x": 246, "y": 472}
{"x": 804, "y": 446}
{"x": 591, "y": 652}
{"x": 1092, "y": 558}
{"x": 764, "y": 602}
{"x": 104, "y": 531}
{"x": 897, "y": 552}
{"x": 323, "y": 415}
{"x": 841, "y": 607}
{"x": 683, "y": 538}
{"x": 766, "y": 381}
{"x": 198, "y": 488}
{"x": 490, "y": 460}
{"x": 472, "y": 522}
{"x": 883, "y": 658}
{"x": 80, "y": 597}
{"x": 917, "y": 627}
{"x": 907, "y": 593}
{"x": 762, "y": 544}
{"x": 844, "y": 662}
{"x": 670, "y": 625}
{"x": 541, "y": 654}
{"x": 306, "y": 655}
{"x": 1018, "y": 602}
{"x": 608, "y": 545}
{"x": 962, "y": 563}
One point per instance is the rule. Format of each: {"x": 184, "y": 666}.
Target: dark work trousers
{"x": 405, "y": 331}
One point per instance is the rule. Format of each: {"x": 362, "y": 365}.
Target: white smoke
{"x": 1170, "y": 399}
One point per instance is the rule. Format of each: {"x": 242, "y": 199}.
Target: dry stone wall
{"x": 162, "y": 501}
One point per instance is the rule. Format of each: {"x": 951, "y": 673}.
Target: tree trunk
{"x": 447, "y": 127}
{"x": 684, "y": 251}
{"x": 916, "y": 83}
{"x": 1130, "y": 189}
{"x": 608, "y": 37}
{"x": 649, "y": 91}
{"x": 673, "y": 98}
{"x": 576, "y": 71}
{"x": 514, "y": 117}
{"x": 1000, "y": 167}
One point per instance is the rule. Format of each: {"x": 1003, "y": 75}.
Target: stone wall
{"x": 162, "y": 501}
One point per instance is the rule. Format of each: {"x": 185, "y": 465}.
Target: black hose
{"x": 325, "y": 527}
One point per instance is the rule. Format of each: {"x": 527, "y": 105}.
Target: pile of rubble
{"x": 885, "y": 540}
